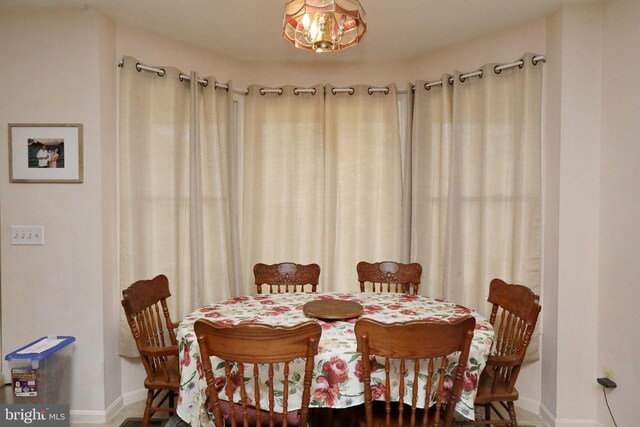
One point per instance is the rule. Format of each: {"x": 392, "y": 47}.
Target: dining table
{"x": 337, "y": 377}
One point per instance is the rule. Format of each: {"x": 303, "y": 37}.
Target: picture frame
{"x": 45, "y": 153}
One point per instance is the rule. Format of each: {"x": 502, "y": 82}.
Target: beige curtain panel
{"x": 363, "y": 183}
{"x": 476, "y": 183}
{"x": 283, "y": 179}
{"x": 174, "y": 196}
{"x": 447, "y": 176}
{"x": 321, "y": 180}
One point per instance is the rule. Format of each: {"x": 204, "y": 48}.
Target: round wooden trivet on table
{"x": 332, "y": 309}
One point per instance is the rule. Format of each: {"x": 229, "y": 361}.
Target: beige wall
{"x": 499, "y": 47}
{"x": 619, "y": 293}
{"x": 109, "y": 217}
{"x": 506, "y": 45}
{"x": 551, "y": 207}
{"x": 591, "y": 237}
{"x": 54, "y": 71}
{"x": 576, "y": 116}
{"x": 153, "y": 49}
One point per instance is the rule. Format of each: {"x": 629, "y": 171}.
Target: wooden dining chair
{"x": 286, "y": 277}
{"x": 416, "y": 344}
{"x": 256, "y": 344}
{"x": 514, "y": 313}
{"x": 145, "y": 307}
{"x": 389, "y": 276}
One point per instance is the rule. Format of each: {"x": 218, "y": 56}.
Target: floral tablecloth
{"x": 337, "y": 381}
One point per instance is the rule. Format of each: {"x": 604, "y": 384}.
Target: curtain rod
{"x": 334, "y": 90}
{"x": 161, "y": 72}
{"x": 350, "y": 90}
{"x": 497, "y": 69}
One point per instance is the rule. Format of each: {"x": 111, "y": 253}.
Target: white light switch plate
{"x": 27, "y": 235}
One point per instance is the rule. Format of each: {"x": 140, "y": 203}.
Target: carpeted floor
{"x": 157, "y": 422}
{"x": 137, "y": 422}
{"x": 177, "y": 422}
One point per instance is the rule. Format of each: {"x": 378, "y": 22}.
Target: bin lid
{"x": 45, "y": 347}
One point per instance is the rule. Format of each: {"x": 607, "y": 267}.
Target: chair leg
{"x": 487, "y": 411}
{"x": 512, "y": 414}
{"x": 171, "y": 402}
{"x": 147, "y": 409}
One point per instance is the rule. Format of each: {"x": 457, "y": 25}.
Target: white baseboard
{"x": 530, "y": 405}
{"x": 550, "y": 419}
{"x": 564, "y": 422}
{"x": 134, "y": 396}
{"x": 547, "y": 416}
{"x": 88, "y": 417}
{"x": 103, "y": 417}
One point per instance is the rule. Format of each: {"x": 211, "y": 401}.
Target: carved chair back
{"x": 389, "y": 276}
{"x": 286, "y": 277}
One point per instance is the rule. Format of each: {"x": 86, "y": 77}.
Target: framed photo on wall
{"x": 45, "y": 153}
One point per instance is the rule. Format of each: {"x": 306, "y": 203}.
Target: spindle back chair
{"x": 416, "y": 344}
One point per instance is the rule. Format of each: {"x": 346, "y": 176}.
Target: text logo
{"x": 34, "y": 415}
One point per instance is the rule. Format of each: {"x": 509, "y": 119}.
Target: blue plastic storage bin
{"x": 42, "y": 374}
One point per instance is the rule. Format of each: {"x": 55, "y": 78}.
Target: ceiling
{"x": 252, "y": 29}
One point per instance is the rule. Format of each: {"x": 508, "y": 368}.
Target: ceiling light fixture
{"x": 324, "y": 25}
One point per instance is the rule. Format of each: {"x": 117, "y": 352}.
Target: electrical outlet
{"x": 607, "y": 373}
{"x": 606, "y": 383}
